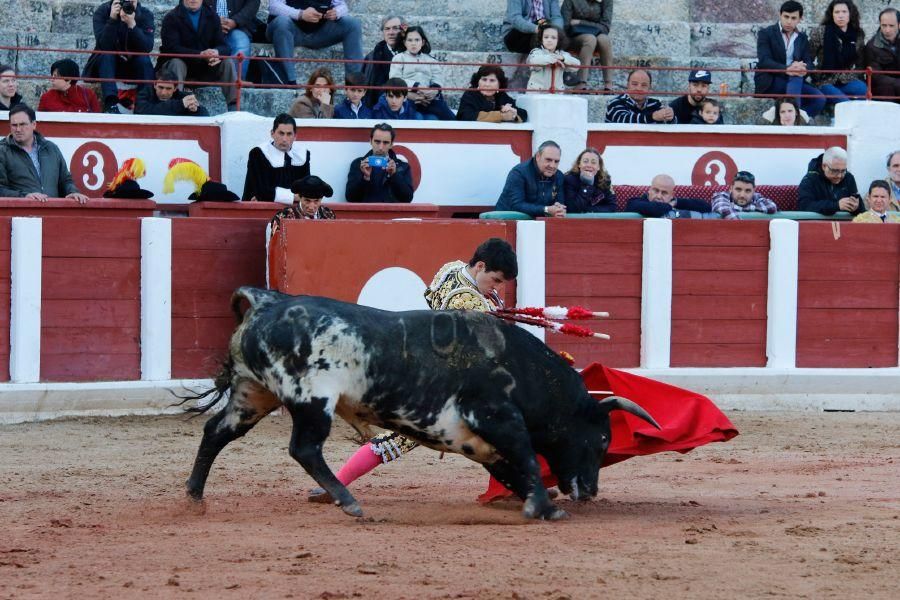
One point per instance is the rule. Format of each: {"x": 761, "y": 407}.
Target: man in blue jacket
{"x": 125, "y": 26}
{"x": 535, "y": 187}
{"x": 782, "y": 46}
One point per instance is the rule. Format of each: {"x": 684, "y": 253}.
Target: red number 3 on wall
{"x": 713, "y": 168}
{"x": 93, "y": 166}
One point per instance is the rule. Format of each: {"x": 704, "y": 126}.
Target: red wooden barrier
{"x": 337, "y": 258}
{"x": 597, "y": 264}
{"x": 90, "y": 309}
{"x": 342, "y": 210}
{"x": 210, "y": 258}
{"x": 719, "y": 293}
{"x": 5, "y": 230}
{"x": 65, "y": 207}
{"x": 847, "y": 295}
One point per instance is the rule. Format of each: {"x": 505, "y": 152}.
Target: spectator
{"x": 9, "y": 88}
{"x": 379, "y": 175}
{"x": 742, "y": 197}
{"x": 520, "y": 27}
{"x": 660, "y": 201}
{"x": 313, "y": 24}
{"x": 419, "y": 70}
{"x": 782, "y": 47}
{"x": 710, "y": 113}
{"x": 393, "y": 104}
{"x": 315, "y": 103}
{"x": 635, "y": 107}
{"x": 878, "y": 201}
{"x": 893, "y": 178}
{"x": 828, "y": 187}
{"x": 162, "y": 98}
{"x": 837, "y": 44}
{"x": 882, "y": 53}
{"x": 65, "y": 95}
{"x": 686, "y": 107}
{"x": 535, "y": 187}
{"x": 194, "y": 28}
{"x": 238, "y": 20}
{"x": 486, "y": 101}
{"x": 353, "y": 105}
{"x": 127, "y": 27}
{"x": 384, "y": 51}
{"x": 587, "y": 24}
{"x": 273, "y": 166}
{"x": 548, "y": 62}
{"x": 308, "y": 193}
{"x": 31, "y": 166}
{"x": 587, "y": 186}
{"x": 789, "y": 115}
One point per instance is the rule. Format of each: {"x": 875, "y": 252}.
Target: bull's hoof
{"x": 319, "y": 496}
{"x": 353, "y": 510}
{"x": 194, "y": 495}
{"x": 548, "y": 511}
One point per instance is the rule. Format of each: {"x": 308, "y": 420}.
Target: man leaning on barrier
{"x": 125, "y": 26}
{"x": 31, "y": 166}
{"x": 536, "y": 186}
{"x": 882, "y": 53}
{"x": 829, "y": 187}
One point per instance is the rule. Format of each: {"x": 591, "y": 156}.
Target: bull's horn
{"x": 619, "y": 403}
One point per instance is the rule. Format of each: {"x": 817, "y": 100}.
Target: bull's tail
{"x": 203, "y": 401}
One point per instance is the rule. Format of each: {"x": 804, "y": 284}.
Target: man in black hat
{"x": 686, "y": 106}
{"x": 308, "y": 194}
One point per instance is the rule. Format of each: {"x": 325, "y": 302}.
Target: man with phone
{"x": 829, "y": 187}
{"x": 312, "y": 24}
{"x": 125, "y": 26}
{"x": 379, "y": 175}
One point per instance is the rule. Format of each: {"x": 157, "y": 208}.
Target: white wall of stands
{"x": 778, "y": 386}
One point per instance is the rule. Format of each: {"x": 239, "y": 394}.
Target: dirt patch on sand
{"x": 799, "y": 505}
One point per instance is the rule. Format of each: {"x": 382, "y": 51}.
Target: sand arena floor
{"x": 800, "y": 505}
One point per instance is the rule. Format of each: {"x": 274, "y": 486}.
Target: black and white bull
{"x": 455, "y": 381}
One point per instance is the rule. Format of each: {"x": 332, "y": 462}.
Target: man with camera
{"x": 194, "y": 28}
{"x": 312, "y": 24}
{"x": 379, "y": 176}
{"x": 125, "y": 26}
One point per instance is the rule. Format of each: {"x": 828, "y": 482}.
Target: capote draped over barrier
{"x": 687, "y": 420}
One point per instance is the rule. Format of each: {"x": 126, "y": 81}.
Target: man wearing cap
{"x": 274, "y": 166}
{"x": 308, "y": 194}
{"x": 742, "y": 197}
{"x": 686, "y": 106}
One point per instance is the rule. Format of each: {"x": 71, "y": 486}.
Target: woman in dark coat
{"x": 838, "y": 44}
{"x": 588, "y": 188}
{"x": 486, "y": 101}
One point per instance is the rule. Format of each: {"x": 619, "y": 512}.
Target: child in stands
{"x": 548, "y": 61}
{"x": 393, "y": 103}
{"x": 419, "y": 70}
{"x": 353, "y": 106}
{"x": 707, "y": 113}
{"x": 65, "y": 95}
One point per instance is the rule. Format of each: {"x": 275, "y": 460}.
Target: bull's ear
{"x": 595, "y": 412}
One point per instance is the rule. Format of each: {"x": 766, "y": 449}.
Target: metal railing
{"x": 241, "y": 83}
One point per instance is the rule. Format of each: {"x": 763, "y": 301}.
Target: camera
{"x": 378, "y": 162}
{"x": 127, "y": 6}
{"x": 323, "y": 7}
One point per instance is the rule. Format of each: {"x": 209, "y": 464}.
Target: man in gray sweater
{"x": 31, "y": 166}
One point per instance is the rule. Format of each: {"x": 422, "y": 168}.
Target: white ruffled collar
{"x": 276, "y": 156}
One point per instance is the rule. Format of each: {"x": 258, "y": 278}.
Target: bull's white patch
{"x": 451, "y": 431}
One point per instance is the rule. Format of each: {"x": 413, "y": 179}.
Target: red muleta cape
{"x": 687, "y": 420}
